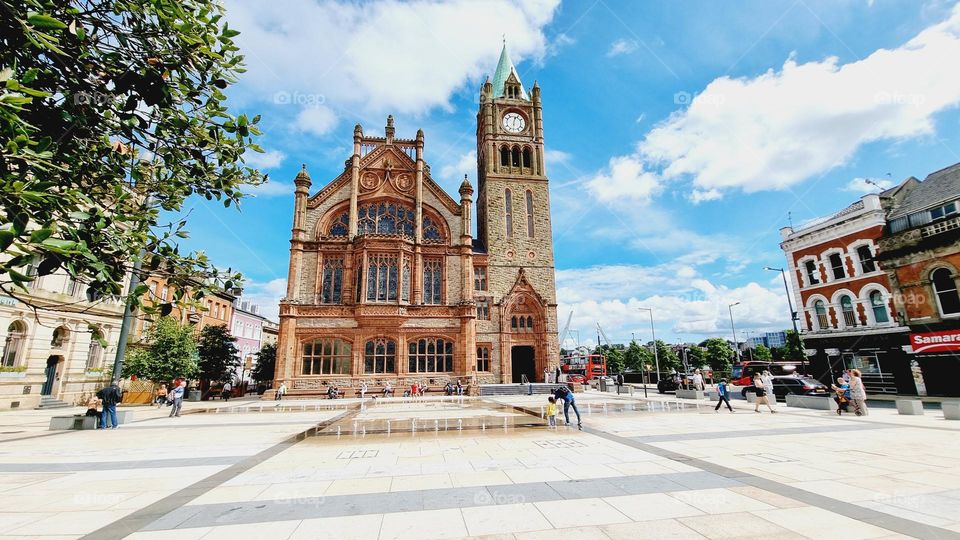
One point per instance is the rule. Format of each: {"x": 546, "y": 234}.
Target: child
{"x": 552, "y": 411}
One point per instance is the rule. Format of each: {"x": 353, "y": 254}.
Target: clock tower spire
{"x": 513, "y": 217}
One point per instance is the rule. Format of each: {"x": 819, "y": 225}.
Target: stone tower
{"x": 513, "y": 226}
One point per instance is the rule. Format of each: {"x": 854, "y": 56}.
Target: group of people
{"x": 106, "y": 399}
{"x": 762, "y": 388}
{"x": 453, "y": 389}
{"x": 850, "y": 390}
{"x": 562, "y": 393}
{"x": 173, "y": 397}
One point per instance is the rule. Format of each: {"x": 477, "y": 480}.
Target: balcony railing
{"x": 940, "y": 227}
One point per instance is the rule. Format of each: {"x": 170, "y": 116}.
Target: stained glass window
{"x": 430, "y": 355}
{"x": 483, "y": 359}
{"x": 379, "y": 356}
{"x": 340, "y": 226}
{"x": 508, "y": 215}
{"x": 431, "y": 232}
{"x": 332, "y": 284}
{"x": 329, "y": 356}
{"x": 405, "y": 286}
{"x": 432, "y": 281}
{"x": 529, "y": 213}
{"x": 382, "y": 278}
{"x": 385, "y": 218}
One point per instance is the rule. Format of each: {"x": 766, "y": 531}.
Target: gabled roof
{"x": 504, "y": 69}
{"x": 938, "y": 187}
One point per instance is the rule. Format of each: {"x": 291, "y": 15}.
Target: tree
{"x": 266, "y": 365}
{"x": 614, "y": 356}
{"x": 170, "y": 352}
{"x": 218, "y": 354}
{"x": 761, "y": 352}
{"x": 669, "y": 360}
{"x": 637, "y": 358}
{"x": 113, "y": 113}
{"x": 794, "y": 348}
{"x": 719, "y": 354}
{"x": 696, "y": 356}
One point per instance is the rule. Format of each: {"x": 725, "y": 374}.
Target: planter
{"x": 910, "y": 406}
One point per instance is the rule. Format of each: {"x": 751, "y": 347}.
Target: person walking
{"x": 619, "y": 382}
{"x": 566, "y": 395}
{"x": 767, "y": 379}
{"x": 724, "y": 394}
{"x": 842, "y": 398}
{"x": 761, "y": 395}
{"x": 363, "y": 390}
{"x": 227, "y": 390}
{"x": 178, "y": 399}
{"x": 552, "y": 411}
{"x": 109, "y": 396}
{"x": 281, "y": 391}
{"x": 698, "y": 380}
{"x": 858, "y": 393}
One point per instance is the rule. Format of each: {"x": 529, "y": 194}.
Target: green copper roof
{"x": 504, "y": 68}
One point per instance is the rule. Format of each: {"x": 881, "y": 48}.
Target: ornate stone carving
{"x": 369, "y": 181}
{"x": 403, "y": 182}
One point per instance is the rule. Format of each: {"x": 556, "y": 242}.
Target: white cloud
{"x": 271, "y": 188}
{"x": 398, "y": 57}
{"x": 266, "y": 295}
{"x": 683, "y": 304}
{"x": 622, "y": 46}
{"x": 269, "y": 159}
{"x": 556, "y": 157}
{"x": 868, "y": 185}
{"x": 624, "y": 178}
{"x": 782, "y": 127}
{"x": 318, "y": 120}
{"x": 466, "y": 165}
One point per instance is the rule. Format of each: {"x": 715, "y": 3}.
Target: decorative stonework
{"x": 370, "y": 181}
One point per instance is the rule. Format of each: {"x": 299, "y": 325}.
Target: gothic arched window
{"x": 340, "y": 226}
{"x": 516, "y": 157}
{"x": 527, "y": 162}
{"x": 508, "y": 215}
{"x": 946, "y": 290}
{"x": 13, "y": 346}
{"x": 430, "y": 355}
{"x": 95, "y": 350}
{"x": 380, "y": 356}
{"x": 504, "y": 156}
{"x": 332, "y": 284}
{"x": 432, "y": 281}
{"x": 385, "y": 218}
{"x": 431, "y": 232}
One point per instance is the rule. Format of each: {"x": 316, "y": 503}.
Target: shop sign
{"x": 930, "y": 342}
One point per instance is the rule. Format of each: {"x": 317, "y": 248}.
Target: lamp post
{"x": 793, "y": 317}
{"x": 653, "y": 333}
{"x": 736, "y": 347}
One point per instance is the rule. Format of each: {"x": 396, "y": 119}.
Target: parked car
{"x": 667, "y": 384}
{"x": 793, "y": 384}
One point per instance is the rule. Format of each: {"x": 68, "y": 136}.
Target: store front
{"x": 937, "y": 355}
{"x": 881, "y": 358}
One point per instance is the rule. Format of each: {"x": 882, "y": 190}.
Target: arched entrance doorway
{"x": 523, "y": 362}
{"x": 52, "y": 372}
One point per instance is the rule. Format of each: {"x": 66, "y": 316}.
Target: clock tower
{"x": 513, "y": 226}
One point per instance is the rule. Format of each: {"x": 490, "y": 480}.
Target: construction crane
{"x": 600, "y": 332}
{"x": 566, "y": 329}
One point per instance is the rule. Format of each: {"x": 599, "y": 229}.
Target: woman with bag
{"x": 761, "y": 395}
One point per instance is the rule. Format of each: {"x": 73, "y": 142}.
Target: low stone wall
{"x": 810, "y": 402}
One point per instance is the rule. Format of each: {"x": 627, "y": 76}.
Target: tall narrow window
{"x": 516, "y": 157}
{"x": 12, "y": 347}
{"x": 358, "y": 269}
{"x": 811, "y": 273}
{"x": 432, "y": 281}
{"x": 405, "y": 284}
{"x": 72, "y": 287}
{"x": 380, "y": 356}
{"x": 529, "y": 213}
{"x": 479, "y": 278}
{"x": 382, "y": 276}
{"x": 879, "y": 306}
{"x": 836, "y": 264}
{"x": 945, "y": 288}
{"x": 849, "y": 315}
{"x": 526, "y": 158}
{"x": 483, "y": 358}
{"x": 430, "y": 355}
{"x": 508, "y": 214}
{"x": 867, "y": 264}
{"x": 95, "y": 350}
{"x": 504, "y": 156}
{"x": 483, "y": 310}
{"x": 332, "y": 284}
{"x": 821, "y": 311}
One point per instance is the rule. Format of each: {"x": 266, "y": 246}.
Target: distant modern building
{"x": 844, "y": 297}
{"x": 63, "y": 350}
{"x": 921, "y": 256}
{"x": 768, "y": 339}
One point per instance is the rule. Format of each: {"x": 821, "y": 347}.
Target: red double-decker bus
{"x": 583, "y": 367}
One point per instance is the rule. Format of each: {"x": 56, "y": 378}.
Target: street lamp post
{"x": 793, "y": 317}
{"x": 736, "y": 346}
{"x": 653, "y": 333}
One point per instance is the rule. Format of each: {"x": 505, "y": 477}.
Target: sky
{"x": 680, "y": 136}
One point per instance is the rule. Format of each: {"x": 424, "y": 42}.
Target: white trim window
{"x": 945, "y": 289}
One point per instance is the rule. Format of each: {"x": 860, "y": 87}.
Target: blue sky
{"x": 681, "y": 135}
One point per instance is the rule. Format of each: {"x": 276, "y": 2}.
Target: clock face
{"x": 513, "y": 122}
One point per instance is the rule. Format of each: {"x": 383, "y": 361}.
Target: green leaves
{"x": 39, "y": 20}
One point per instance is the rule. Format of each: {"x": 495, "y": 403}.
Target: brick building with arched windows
{"x": 387, "y": 283}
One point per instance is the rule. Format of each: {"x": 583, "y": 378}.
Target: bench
{"x": 822, "y": 403}
{"x": 73, "y": 422}
{"x": 910, "y": 406}
{"x": 951, "y": 410}
{"x": 690, "y": 394}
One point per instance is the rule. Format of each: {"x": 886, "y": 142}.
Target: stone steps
{"x": 47, "y": 402}
{"x": 515, "y": 389}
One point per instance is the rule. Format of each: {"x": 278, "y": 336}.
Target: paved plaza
{"x": 448, "y": 468}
